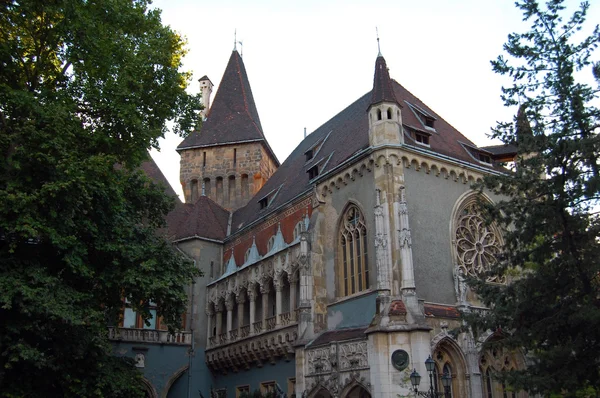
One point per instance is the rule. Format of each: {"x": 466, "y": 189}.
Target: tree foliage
{"x": 550, "y": 309}
{"x": 86, "y": 87}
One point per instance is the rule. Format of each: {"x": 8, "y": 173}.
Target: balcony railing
{"x": 149, "y": 336}
{"x": 257, "y": 327}
{"x": 285, "y": 318}
{"x": 245, "y": 331}
{"x": 223, "y": 338}
{"x": 233, "y": 334}
{"x": 271, "y": 322}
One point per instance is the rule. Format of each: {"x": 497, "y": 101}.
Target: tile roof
{"x": 205, "y": 219}
{"x": 151, "y": 169}
{"x": 233, "y": 116}
{"x": 441, "y": 311}
{"x": 343, "y": 136}
{"x": 502, "y": 149}
{"x": 338, "y": 335}
{"x": 382, "y": 84}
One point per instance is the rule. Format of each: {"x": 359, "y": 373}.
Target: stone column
{"x": 229, "y": 302}
{"x": 408, "y": 273}
{"x": 241, "y": 299}
{"x": 220, "y": 308}
{"x": 293, "y": 280}
{"x": 278, "y": 283}
{"x": 209, "y": 314}
{"x": 252, "y": 296}
{"x": 264, "y": 291}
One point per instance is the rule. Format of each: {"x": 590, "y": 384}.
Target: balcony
{"x": 253, "y": 350}
{"x": 149, "y": 336}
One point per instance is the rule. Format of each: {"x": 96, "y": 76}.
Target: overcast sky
{"x": 307, "y": 60}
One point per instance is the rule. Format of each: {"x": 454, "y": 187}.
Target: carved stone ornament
{"x": 477, "y": 244}
{"x": 140, "y": 360}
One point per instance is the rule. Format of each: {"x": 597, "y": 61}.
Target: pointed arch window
{"x": 353, "y": 274}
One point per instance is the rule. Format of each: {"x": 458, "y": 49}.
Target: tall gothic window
{"x": 353, "y": 271}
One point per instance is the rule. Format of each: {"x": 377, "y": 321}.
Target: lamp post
{"x": 415, "y": 379}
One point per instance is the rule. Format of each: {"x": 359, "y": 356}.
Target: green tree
{"x": 85, "y": 85}
{"x": 550, "y": 309}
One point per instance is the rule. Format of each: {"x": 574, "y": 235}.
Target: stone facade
{"x": 341, "y": 275}
{"x": 230, "y": 175}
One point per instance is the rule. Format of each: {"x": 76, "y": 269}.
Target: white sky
{"x": 307, "y": 60}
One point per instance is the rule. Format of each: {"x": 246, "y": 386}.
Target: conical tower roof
{"x": 382, "y": 84}
{"x": 233, "y": 117}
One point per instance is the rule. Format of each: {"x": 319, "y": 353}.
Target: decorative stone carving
{"x": 140, "y": 360}
{"x": 353, "y": 355}
{"x": 382, "y": 258}
{"x": 405, "y": 243}
{"x": 230, "y": 302}
{"x": 460, "y": 285}
{"x": 476, "y": 243}
{"x": 318, "y": 361}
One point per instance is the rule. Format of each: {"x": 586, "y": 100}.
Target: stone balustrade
{"x": 271, "y": 322}
{"x": 257, "y": 327}
{"x": 149, "y": 336}
{"x": 233, "y": 334}
{"x": 223, "y": 338}
{"x": 285, "y": 318}
{"x": 253, "y": 350}
{"x": 244, "y": 331}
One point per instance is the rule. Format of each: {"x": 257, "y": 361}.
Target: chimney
{"x": 206, "y": 87}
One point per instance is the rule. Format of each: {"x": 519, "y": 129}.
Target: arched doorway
{"x": 357, "y": 391}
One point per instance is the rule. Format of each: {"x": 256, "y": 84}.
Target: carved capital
{"x": 240, "y": 297}
{"x": 230, "y": 302}
{"x": 252, "y": 292}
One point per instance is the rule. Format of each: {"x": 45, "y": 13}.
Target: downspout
{"x": 192, "y": 350}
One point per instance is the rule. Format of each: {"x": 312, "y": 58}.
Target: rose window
{"x": 477, "y": 244}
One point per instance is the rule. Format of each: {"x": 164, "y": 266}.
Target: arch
{"x": 194, "y": 190}
{"x": 352, "y": 251}
{"x": 219, "y": 190}
{"x": 355, "y": 389}
{"x": 319, "y": 391}
{"x": 172, "y": 381}
{"x": 494, "y": 359}
{"x": 207, "y": 187}
{"x": 475, "y": 244}
{"x": 448, "y": 355}
{"x": 389, "y": 113}
{"x": 149, "y": 388}
{"x": 231, "y": 190}
{"x": 378, "y": 114}
{"x": 245, "y": 194}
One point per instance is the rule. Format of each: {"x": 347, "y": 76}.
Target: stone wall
{"x": 231, "y": 174}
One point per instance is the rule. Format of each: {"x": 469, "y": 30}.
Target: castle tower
{"x": 385, "y": 112}
{"x": 206, "y": 87}
{"x": 229, "y": 159}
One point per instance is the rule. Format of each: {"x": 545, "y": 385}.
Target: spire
{"x": 233, "y": 116}
{"x": 382, "y": 83}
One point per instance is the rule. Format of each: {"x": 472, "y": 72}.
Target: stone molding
{"x": 336, "y": 366}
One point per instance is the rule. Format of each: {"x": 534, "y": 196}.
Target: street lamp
{"x": 415, "y": 379}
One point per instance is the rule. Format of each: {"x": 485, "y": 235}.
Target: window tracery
{"x": 476, "y": 243}
{"x": 353, "y": 273}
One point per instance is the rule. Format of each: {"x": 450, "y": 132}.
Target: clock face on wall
{"x": 400, "y": 359}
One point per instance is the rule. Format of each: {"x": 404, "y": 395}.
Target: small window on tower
{"x": 313, "y": 172}
{"x": 234, "y": 157}
{"x": 203, "y": 159}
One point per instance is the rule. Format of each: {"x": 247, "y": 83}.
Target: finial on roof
{"x": 378, "y": 48}
{"x": 235, "y": 40}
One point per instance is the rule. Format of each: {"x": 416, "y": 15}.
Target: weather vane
{"x": 378, "y": 48}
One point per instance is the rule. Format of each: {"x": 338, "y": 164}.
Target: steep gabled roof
{"x": 203, "y": 219}
{"x": 382, "y": 84}
{"x": 152, "y": 171}
{"x": 344, "y": 136}
{"x": 233, "y": 116}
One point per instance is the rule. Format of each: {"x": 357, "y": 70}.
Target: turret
{"x": 206, "y": 87}
{"x": 385, "y": 112}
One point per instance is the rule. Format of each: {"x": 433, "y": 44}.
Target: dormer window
{"x": 309, "y": 154}
{"x": 428, "y": 122}
{"x": 264, "y": 202}
{"x": 422, "y": 139}
{"x": 313, "y": 172}
{"x": 485, "y": 158}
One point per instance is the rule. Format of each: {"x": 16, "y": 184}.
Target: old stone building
{"x": 336, "y": 273}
